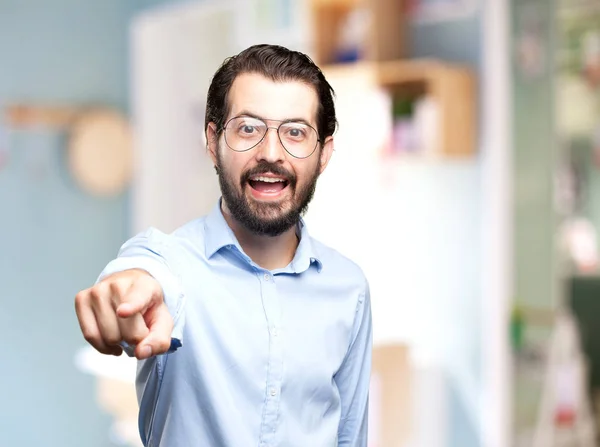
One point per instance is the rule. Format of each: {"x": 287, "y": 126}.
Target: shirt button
{"x": 273, "y": 392}
{"x": 267, "y": 277}
{"x": 274, "y": 332}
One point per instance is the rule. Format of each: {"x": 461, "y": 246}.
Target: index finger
{"x": 137, "y": 299}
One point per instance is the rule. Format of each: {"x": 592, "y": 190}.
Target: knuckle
{"x": 118, "y": 287}
{"x": 90, "y": 336}
{"x": 80, "y": 300}
{"x": 97, "y": 293}
{"x": 149, "y": 282}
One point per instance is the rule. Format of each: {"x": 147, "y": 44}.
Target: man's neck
{"x": 269, "y": 252}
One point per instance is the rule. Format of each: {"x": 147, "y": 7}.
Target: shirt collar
{"x": 217, "y": 232}
{"x": 306, "y": 253}
{"x": 219, "y": 235}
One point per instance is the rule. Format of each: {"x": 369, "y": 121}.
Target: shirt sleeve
{"x": 353, "y": 378}
{"x": 154, "y": 252}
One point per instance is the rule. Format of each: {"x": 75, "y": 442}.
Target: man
{"x": 249, "y": 332}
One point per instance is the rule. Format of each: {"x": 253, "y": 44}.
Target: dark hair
{"x": 279, "y": 64}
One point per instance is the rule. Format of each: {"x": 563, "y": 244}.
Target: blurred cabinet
{"x": 368, "y": 39}
{"x": 377, "y": 29}
{"x": 452, "y": 88}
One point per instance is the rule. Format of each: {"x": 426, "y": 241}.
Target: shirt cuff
{"x": 171, "y": 287}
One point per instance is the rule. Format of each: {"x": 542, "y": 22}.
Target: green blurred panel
{"x": 534, "y": 152}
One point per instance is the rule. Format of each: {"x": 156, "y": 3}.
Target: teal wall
{"x": 54, "y": 238}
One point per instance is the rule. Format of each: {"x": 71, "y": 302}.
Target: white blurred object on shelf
{"x": 91, "y": 361}
{"x": 115, "y": 392}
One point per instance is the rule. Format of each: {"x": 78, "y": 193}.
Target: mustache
{"x": 265, "y": 167}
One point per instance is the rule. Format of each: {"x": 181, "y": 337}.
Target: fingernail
{"x": 146, "y": 351}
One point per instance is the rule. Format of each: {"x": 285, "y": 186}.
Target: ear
{"x": 212, "y": 143}
{"x": 326, "y": 152}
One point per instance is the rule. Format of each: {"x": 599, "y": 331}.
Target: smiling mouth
{"x": 267, "y": 184}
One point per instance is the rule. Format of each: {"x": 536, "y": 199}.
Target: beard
{"x": 260, "y": 218}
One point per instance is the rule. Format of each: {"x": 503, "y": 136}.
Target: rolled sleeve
{"x": 154, "y": 252}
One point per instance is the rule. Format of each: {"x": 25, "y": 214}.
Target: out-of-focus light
{"x": 121, "y": 368}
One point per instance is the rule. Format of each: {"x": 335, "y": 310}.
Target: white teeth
{"x": 267, "y": 179}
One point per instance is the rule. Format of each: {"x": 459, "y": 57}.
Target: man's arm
{"x": 354, "y": 377}
{"x": 137, "y": 304}
{"x": 152, "y": 252}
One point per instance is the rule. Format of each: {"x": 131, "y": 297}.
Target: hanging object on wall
{"x": 99, "y": 148}
{"x": 100, "y": 152}
{"x": 4, "y": 154}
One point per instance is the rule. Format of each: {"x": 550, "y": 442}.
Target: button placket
{"x": 275, "y": 367}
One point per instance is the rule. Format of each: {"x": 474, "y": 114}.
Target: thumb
{"x": 158, "y": 340}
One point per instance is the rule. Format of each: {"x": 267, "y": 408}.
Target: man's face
{"x": 265, "y": 188}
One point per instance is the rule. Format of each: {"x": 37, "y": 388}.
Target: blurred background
{"x": 465, "y": 182}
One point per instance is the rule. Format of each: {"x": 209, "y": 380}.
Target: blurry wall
{"x": 456, "y": 188}
{"x": 54, "y": 238}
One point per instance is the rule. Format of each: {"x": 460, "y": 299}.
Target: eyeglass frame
{"x": 281, "y": 123}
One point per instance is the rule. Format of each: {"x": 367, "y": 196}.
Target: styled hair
{"x": 278, "y": 64}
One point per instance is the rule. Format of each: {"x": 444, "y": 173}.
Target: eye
{"x": 248, "y": 129}
{"x": 295, "y": 132}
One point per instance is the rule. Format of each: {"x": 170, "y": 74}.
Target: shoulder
{"x": 186, "y": 236}
{"x": 193, "y": 230}
{"x": 340, "y": 266}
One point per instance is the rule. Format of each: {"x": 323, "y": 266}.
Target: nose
{"x": 270, "y": 149}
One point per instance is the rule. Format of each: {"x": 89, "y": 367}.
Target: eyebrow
{"x": 288, "y": 120}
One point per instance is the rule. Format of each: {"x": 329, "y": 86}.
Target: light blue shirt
{"x": 268, "y": 358}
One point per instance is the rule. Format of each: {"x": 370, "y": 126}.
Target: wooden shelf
{"x": 335, "y": 3}
{"x": 452, "y": 87}
{"x": 384, "y": 40}
{"x": 29, "y": 115}
{"x": 390, "y": 72}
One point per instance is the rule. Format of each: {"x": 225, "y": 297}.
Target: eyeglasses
{"x": 243, "y": 133}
